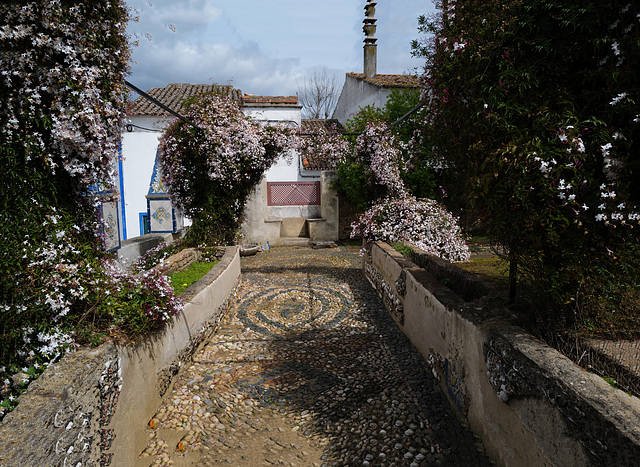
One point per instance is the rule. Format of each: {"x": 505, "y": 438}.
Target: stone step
{"x": 294, "y": 241}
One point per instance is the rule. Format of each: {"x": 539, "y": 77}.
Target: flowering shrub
{"x": 325, "y": 144}
{"x": 380, "y": 154}
{"x": 62, "y": 291}
{"x": 534, "y": 116}
{"x": 401, "y": 217}
{"x": 210, "y": 173}
{"x": 155, "y": 256}
{"x": 62, "y": 88}
{"x": 135, "y": 302}
{"x": 62, "y": 70}
{"x": 356, "y": 181}
{"x": 419, "y": 222}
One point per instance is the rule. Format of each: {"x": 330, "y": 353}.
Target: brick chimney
{"x": 370, "y": 47}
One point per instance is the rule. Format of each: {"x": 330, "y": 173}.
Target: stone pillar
{"x": 328, "y": 229}
{"x": 370, "y": 47}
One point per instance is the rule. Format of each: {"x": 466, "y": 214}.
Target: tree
{"x": 534, "y": 115}
{"x": 319, "y": 94}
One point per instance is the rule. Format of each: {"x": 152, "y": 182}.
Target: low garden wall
{"x": 529, "y": 404}
{"x": 135, "y": 247}
{"x": 89, "y": 409}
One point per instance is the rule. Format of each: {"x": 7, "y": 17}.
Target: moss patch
{"x": 494, "y": 269}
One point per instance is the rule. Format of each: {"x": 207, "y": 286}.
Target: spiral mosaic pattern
{"x": 283, "y": 310}
{"x": 307, "y": 368}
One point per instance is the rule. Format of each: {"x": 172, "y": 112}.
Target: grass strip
{"x": 181, "y": 280}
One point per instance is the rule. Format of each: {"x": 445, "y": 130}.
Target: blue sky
{"x": 265, "y": 47}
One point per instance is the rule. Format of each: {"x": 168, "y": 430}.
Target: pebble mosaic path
{"x": 307, "y": 369}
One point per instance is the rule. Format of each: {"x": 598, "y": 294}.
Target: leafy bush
{"x": 210, "y": 172}
{"x": 65, "y": 292}
{"x": 355, "y": 180}
{"x": 62, "y": 71}
{"x": 533, "y": 114}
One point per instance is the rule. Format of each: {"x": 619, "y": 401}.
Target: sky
{"x": 265, "y": 47}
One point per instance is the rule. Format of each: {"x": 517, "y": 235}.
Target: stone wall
{"x": 135, "y": 247}
{"x": 529, "y": 404}
{"x": 88, "y": 409}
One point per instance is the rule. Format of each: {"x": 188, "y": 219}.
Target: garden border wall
{"x": 135, "y": 247}
{"x": 529, "y": 404}
{"x": 89, "y": 408}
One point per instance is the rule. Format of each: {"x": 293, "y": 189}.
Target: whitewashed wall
{"x": 139, "y": 151}
{"x": 139, "y": 148}
{"x": 357, "y": 94}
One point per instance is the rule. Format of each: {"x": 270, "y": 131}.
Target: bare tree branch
{"x": 319, "y": 94}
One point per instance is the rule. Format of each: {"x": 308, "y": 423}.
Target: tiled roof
{"x": 174, "y": 95}
{"x": 312, "y": 161}
{"x": 284, "y": 101}
{"x": 389, "y": 81}
{"x": 330, "y": 124}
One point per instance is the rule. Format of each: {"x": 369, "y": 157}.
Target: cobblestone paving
{"x": 308, "y": 369}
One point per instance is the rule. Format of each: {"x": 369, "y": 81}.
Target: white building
{"x": 369, "y": 88}
{"x": 289, "y": 195}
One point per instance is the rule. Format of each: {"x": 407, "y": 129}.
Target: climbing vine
{"x": 62, "y": 70}
{"x": 211, "y": 170}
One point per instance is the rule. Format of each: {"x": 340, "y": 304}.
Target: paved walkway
{"x": 308, "y": 369}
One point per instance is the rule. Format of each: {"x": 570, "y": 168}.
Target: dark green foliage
{"x": 355, "y": 182}
{"x": 534, "y": 116}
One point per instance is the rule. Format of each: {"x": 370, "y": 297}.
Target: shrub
{"x": 421, "y": 223}
{"x": 533, "y": 113}
{"x": 62, "y": 71}
{"x": 211, "y": 171}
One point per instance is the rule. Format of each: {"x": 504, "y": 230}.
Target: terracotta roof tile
{"x": 248, "y": 99}
{"x": 312, "y": 161}
{"x": 330, "y": 124}
{"x": 389, "y": 81}
{"x": 174, "y": 95}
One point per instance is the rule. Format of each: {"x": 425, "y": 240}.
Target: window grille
{"x": 293, "y": 193}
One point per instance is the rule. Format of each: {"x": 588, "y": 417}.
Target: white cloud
{"x": 264, "y": 47}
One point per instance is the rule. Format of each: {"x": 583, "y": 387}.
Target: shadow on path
{"x": 340, "y": 365}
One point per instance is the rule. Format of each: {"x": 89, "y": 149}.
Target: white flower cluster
{"x": 379, "y": 151}
{"x": 420, "y": 222}
{"x": 325, "y": 145}
{"x": 64, "y": 66}
{"x": 611, "y": 211}
{"x": 402, "y": 217}
{"x": 232, "y": 146}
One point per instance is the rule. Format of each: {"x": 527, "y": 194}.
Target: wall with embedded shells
{"x": 529, "y": 404}
{"x": 87, "y": 409}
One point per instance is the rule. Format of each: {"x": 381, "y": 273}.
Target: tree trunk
{"x": 513, "y": 279}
